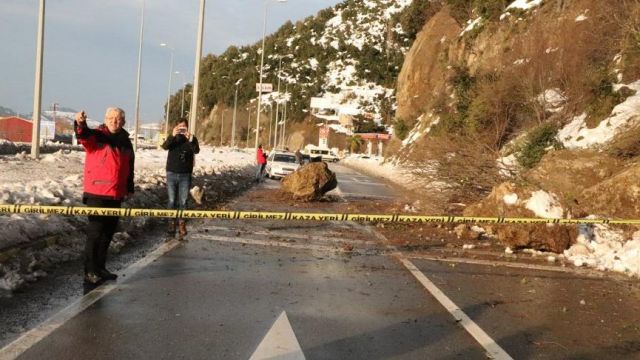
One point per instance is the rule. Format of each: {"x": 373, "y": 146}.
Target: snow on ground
{"x": 552, "y": 100}
{"x": 471, "y": 24}
{"x": 606, "y": 248}
{"x": 544, "y": 205}
{"x": 576, "y": 134}
{"x": 56, "y": 179}
{"x": 524, "y": 4}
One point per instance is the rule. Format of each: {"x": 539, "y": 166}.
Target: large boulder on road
{"x": 310, "y": 182}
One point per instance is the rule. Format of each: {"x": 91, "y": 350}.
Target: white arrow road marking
{"x": 280, "y": 343}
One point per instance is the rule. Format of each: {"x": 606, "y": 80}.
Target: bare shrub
{"x": 465, "y": 164}
{"x": 631, "y": 41}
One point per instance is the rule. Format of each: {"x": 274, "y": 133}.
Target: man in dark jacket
{"x": 108, "y": 180}
{"x": 182, "y": 146}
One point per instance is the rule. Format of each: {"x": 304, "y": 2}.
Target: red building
{"x": 15, "y": 129}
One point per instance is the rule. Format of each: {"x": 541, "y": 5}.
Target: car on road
{"x": 326, "y": 154}
{"x": 280, "y": 164}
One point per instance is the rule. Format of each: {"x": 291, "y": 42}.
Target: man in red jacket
{"x": 108, "y": 180}
{"x": 261, "y": 160}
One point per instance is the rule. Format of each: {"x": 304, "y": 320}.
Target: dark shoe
{"x": 171, "y": 230}
{"x": 92, "y": 278}
{"x": 107, "y": 275}
{"x": 182, "y": 225}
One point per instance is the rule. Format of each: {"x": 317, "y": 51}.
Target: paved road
{"x": 259, "y": 290}
{"x": 352, "y": 184}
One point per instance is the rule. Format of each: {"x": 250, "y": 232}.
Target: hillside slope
{"x": 530, "y": 109}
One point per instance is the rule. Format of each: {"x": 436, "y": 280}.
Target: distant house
{"x": 16, "y": 129}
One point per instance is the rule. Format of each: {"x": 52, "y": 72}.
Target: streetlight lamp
{"x": 137, "y": 107}
{"x": 166, "y": 120}
{"x": 264, "y": 34}
{"x": 233, "y": 124}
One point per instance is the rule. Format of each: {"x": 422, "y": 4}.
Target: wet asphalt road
{"x": 352, "y": 184}
{"x": 218, "y": 296}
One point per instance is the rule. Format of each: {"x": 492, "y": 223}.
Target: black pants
{"x": 99, "y": 234}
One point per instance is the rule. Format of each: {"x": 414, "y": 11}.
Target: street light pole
{"x": 37, "y": 88}
{"x": 184, "y": 85}
{"x": 221, "y": 127}
{"x": 166, "y": 119}
{"x": 248, "y": 126}
{"x": 137, "y": 107}
{"x": 264, "y": 33}
{"x": 235, "y": 107}
{"x": 193, "y": 115}
{"x": 275, "y": 141}
{"x": 284, "y": 126}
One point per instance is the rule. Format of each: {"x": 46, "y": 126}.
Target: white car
{"x": 280, "y": 164}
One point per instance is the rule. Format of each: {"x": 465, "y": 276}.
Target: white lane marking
{"x": 494, "y": 351}
{"x": 367, "y": 196}
{"x": 273, "y": 243}
{"x": 279, "y": 343}
{"x": 33, "y": 336}
{"x": 289, "y": 235}
{"x": 494, "y": 263}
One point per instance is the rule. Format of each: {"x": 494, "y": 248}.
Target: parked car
{"x": 280, "y": 164}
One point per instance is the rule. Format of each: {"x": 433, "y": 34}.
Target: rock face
{"x": 618, "y": 196}
{"x": 310, "y": 182}
{"x": 422, "y": 75}
{"x": 567, "y": 173}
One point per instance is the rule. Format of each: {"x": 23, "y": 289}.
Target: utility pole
{"x": 193, "y": 114}
{"x": 221, "y": 127}
{"x": 37, "y": 89}
{"x": 137, "y": 106}
{"x": 284, "y": 126}
{"x": 270, "y": 121}
{"x": 248, "y": 126}
{"x": 278, "y": 102}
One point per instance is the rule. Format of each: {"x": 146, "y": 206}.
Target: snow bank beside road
{"x": 56, "y": 179}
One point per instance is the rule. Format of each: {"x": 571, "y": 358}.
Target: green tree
{"x": 354, "y": 143}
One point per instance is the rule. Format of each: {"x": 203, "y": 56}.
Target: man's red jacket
{"x": 108, "y": 168}
{"x": 260, "y": 158}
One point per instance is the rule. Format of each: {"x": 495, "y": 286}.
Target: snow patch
{"x": 510, "y": 199}
{"x": 604, "y": 248}
{"x": 544, "y": 205}
{"x": 576, "y": 134}
{"x": 524, "y": 4}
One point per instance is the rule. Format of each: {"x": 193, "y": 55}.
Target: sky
{"x": 91, "y": 48}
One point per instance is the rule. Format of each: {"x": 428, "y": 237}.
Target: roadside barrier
{"x": 290, "y": 216}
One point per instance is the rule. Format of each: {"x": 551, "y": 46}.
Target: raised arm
{"x": 85, "y": 136}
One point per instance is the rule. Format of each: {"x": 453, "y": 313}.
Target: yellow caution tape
{"x": 289, "y": 216}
